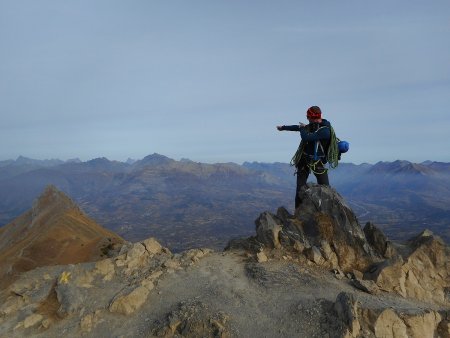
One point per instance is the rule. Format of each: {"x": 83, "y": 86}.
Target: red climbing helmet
{"x": 314, "y": 113}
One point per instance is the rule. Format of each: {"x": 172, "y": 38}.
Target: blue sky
{"x": 210, "y": 80}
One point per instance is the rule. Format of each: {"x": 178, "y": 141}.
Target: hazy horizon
{"x": 209, "y": 81}
{"x": 186, "y": 158}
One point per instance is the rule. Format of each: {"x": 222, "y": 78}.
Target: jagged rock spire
{"x": 323, "y": 223}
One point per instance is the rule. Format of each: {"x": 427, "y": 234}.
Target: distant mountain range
{"x": 191, "y": 204}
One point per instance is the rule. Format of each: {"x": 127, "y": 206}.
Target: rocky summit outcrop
{"x": 54, "y": 231}
{"x": 89, "y": 293}
{"x": 146, "y": 291}
{"x": 421, "y": 272}
{"x": 324, "y": 231}
{"x": 378, "y": 240}
{"x": 324, "y": 228}
{"x": 372, "y": 322}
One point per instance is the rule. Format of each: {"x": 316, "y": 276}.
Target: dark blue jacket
{"x": 314, "y": 136}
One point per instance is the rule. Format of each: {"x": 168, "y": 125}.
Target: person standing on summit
{"x": 312, "y": 152}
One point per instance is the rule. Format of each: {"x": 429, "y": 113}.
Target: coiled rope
{"x": 298, "y": 155}
{"x": 333, "y": 156}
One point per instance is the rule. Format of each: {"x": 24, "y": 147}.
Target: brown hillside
{"x": 55, "y": 231}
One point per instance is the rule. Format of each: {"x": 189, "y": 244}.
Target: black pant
{"x": 303, "y": 172}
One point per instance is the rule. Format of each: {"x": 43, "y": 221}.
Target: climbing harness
{"x": 313, "y": 167}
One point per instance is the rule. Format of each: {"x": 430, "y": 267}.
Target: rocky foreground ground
{"x": 312, "y": 274}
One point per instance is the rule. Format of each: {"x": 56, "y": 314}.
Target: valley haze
{"x": 191, "y": 204}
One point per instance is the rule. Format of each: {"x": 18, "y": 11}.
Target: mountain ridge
{"x": 138, "y": 199}
{"x": 54, "y": 231}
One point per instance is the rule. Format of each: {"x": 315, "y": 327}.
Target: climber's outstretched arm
{"x": 289, "y": 128}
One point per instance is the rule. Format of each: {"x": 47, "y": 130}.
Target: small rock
{"x": 105, "y": 268}
{"x": 358, "y": 274}
{"x": 46, "y": 323}
{"x": 299, "y": 247}
{"x": 154, "y": 276}
{"x": 172, "y": 264}
{"x": 261, "y": 257}
{"x": 338, "y": 273}
{"x": 423, "y": 325}
{"x": 11, "y": 305}
{"x": 130, "y": 303}
{"x": 152, "y": 246}
{"x": 389, "y": 324}
{"x": 148, "y": 284}
{"x": 346, "y": 308}
{"x": 120, "y": 261}
{"x": 326, "y": 248}
{"x": 84, "y": 279}
{"x": 268, "y": 228}
{"x": 135, "y": 256}
{"x": 86, "y": 322}
{"x": 314, "y": 255}
{"x": 368, "y": 286}
{"x": 32, "y": 320}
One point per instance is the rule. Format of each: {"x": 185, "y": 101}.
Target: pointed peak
{"x": 52, "y": 193}
{"x": 73, "y": 160}
{"x": 52, "y": 200}
{"x": 99, "y": 160}
{"x": 426, "y": 233}
{"x": 155, "y": 156}
{"x": 21, "y": 158}
{"x": 24, "y": 160}
{"x": 401, "y": 167}
{"x": 51, "y": 189}
{"x": 153, "y": 160}
{"x": 426, "y": 236}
